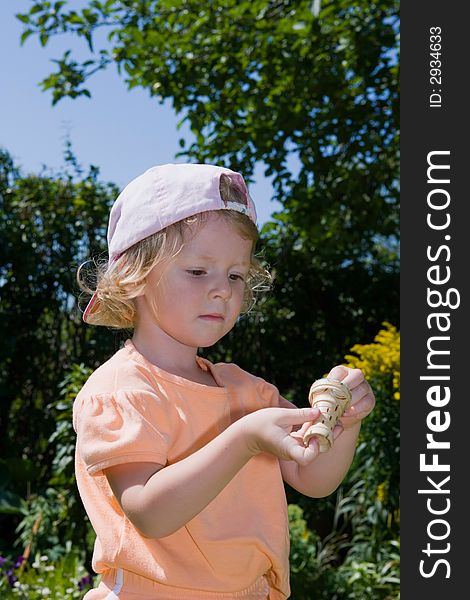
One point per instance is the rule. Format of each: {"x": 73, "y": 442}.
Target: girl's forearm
{"x": 178, "y": 492}
{"x": 321, "y": 477}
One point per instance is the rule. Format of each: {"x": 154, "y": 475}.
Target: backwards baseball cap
{"x": 163, "y": 195}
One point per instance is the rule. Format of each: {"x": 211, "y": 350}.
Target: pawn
{"x": 332, "y": 397}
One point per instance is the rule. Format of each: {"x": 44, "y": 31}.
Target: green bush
{"x": 54, "y": 517}
{"x": 64, "y": 579}
{"x": 359, "y": 559}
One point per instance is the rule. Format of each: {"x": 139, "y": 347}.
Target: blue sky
{"x": 122, "y": 132}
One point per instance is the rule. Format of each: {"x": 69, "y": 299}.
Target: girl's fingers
{"x": 299, "y": 433}
{"x": 361, "y": 408}
{"x": 298, "y": 416}
{"x": 337, "y": 431}
{"x": 339, "y": 372}
{"x": 351, "y": 377}
{"x": 301, "y": 455}
{"x": 360, "y": 391}
{"x": 362, "y": 395}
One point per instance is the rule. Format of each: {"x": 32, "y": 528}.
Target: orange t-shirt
{"x": 129, "y": 410}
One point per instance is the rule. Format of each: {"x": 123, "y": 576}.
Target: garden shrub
{"x": 359, "y": 558}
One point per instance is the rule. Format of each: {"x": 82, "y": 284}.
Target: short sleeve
{"x": 123, "y": 427}
{"x": 269, "y": 393}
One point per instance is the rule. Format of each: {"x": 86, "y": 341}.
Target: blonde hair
{"x": 118, "y": 283}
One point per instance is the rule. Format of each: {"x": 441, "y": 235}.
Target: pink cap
{"x": 161, "y": 196}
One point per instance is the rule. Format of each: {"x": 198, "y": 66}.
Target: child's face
{"x": 197, "y": 296}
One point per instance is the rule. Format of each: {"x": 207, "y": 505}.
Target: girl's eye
{"x": 235, "y": 277}
{"x": 196, "y": 272}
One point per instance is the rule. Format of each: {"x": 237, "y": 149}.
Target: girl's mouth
{"x": 212, "y": 317}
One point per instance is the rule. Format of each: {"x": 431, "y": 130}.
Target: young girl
{"x": 180, "y": 463}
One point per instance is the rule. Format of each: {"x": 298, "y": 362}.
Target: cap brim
{"x": 91, "y": 307}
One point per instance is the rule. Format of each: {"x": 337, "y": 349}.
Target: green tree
{"x": 259, "y": 81}
{"x": 48, "y": 225}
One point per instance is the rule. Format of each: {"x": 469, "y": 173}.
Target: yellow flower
{"x": 381, "y": 493}
{"x": 382, "y": 356}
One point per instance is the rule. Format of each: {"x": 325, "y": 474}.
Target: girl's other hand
{"x": 269, "y": 430}
{"x": 363, "y": 398}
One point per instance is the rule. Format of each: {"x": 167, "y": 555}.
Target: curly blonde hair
{"x": 118, "y": 283}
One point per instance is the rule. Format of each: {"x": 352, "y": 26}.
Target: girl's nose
{"x": 221, "y": 288}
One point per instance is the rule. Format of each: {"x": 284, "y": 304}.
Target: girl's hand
{"x": 362, "y": 401}
{"x": 269, "y": 430}
{"x": 363, "y": 398}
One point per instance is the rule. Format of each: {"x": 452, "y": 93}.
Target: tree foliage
{"x": 260, "y": 80}
{"x": 48, "y": 224}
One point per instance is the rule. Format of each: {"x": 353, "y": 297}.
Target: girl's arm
{"x": 160, "y": 500}
{"x": 322, "y": 476}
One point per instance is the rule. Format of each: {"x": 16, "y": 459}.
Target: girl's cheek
{"x": 241, "y": 297}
